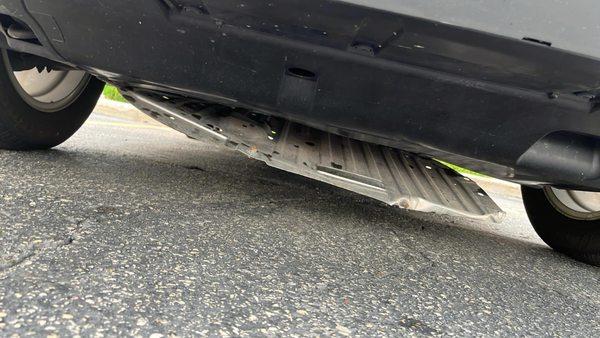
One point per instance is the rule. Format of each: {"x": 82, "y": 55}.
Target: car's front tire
{"x": 568, "y": 221}
{"x": 42, "y": 109}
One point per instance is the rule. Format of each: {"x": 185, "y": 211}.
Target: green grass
{"x": 460, "y": 169}
{"x": 112, "y": 93}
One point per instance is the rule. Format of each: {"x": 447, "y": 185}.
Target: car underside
{"x": 369, "y": 96}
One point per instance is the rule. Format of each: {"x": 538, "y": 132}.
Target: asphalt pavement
{"x": 133, "y": 229}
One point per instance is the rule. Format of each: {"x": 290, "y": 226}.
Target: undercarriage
{"x": 393, "y": 176}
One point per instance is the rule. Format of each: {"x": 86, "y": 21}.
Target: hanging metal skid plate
{"x": 389, "y": 175}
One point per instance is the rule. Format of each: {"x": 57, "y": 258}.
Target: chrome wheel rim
{"x": 581, "y": 205}
{"x": 47, "y": 91}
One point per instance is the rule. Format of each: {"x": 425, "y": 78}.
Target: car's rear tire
{"x": 564, "y": 226}
{"x": 40, "y": 110}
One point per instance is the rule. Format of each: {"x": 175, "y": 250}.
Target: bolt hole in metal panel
{"x": 393, "y": 176}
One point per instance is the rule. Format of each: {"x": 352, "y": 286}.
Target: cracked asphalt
{"x": 129, "y": 229}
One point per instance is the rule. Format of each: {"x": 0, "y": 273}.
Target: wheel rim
{"x": 47, "y": 91}
{"x": 582, "y": 205}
